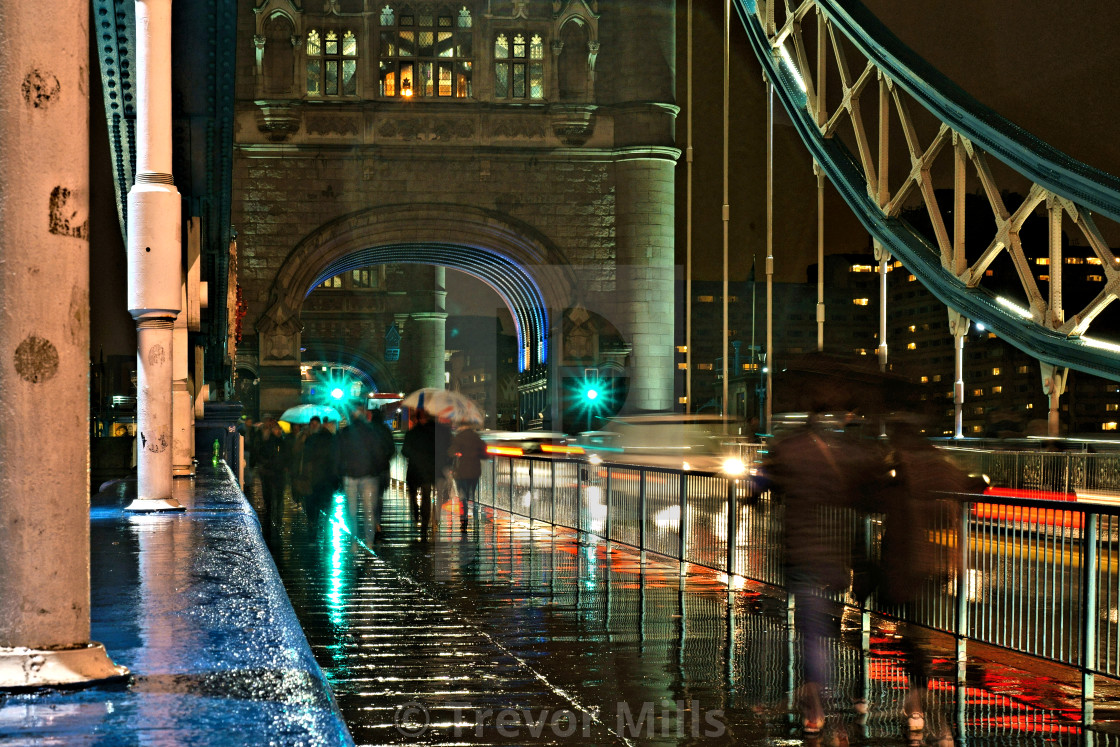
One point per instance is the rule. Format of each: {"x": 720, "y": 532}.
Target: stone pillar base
{"x": 155, "y": 504}
{"x": 30, "y": 668}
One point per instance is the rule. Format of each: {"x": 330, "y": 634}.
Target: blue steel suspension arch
{"x": 529, "y": 275}
{"x": 855, "y": 49}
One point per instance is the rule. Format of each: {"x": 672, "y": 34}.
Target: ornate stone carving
{"x": 278, "y": 119}
{"x": 427, "y": 129}
{"x": 519, "y": 128}
{"x": 325, "y": 124}
{"x": 573, "y": 124}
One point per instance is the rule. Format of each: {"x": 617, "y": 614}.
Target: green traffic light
{"x": 337, "y": 393}
{"x": 591, "y": 393}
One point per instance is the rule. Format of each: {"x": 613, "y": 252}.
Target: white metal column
{"x": 154, "y": 257}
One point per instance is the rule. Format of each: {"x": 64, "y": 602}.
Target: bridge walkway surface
{"x": 517, "y": 632}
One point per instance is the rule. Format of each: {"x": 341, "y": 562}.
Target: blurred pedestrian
{"x": 816, "y": 474}
{"x": 426, "y": 448}
{"x": 361, "y": 458}
{"x": 319, "y": 468}
{"x": 468, "y": 451}
{"x": 918, "y": 506}
{"x": 272, "y": 457}
{"x": 384, "y": 435}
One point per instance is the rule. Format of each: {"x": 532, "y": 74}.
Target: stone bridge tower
{"x": 529, "y": 143}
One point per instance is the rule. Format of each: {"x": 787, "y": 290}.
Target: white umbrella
{"x": 445, "y": 404}
{"x": 302, "y": 414}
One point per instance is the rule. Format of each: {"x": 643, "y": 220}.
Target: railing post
{"x": 732, "y": 530}
{"x": 580, "y": 496}
{"x": 1088, "y": 617}
{"x": 607, "y": 498}
{"x": 511, "y": 489}
{"x": 683, "y": 521}
{"x": 864, "y": 609}
{"x": 532, "y": 485}
{"x": 642, "y": 516}
{"x": 552, "y": 502}
{"x": 962, "y": 631}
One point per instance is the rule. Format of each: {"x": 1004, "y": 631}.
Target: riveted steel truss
{"x": 841, "y": 75}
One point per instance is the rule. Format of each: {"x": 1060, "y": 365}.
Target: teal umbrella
{"x": 302, "y": 414}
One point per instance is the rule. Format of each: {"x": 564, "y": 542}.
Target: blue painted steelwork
{"x": 192, "y": 604}
{"x": 1049, "y": 168}
{"x": 513, "y": 284}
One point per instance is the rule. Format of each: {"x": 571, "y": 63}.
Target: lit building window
{"x": 992, "y": 335}
{"x": 1112, "y": 407}
{"x": 1093, "y": 261}
{"x": 705, "y": 299}
{"x": 1094, "y": 278}
{"x": 997, "y": 390}
{"x": 1042, "y": 260}
{"x": 913, "y": 328}
{"x": 335, "y": 282}
{"x": 1075, "y": 260}
{"x": 925, "y": 379}
{"x": 976, "y": 428}
{"x": 859, "y": 301}
{"x": 937, "y": 377}
{"x": 911, "y": 279}
{"x": 332, "y": 62}
{"x": 862, "y": 268}
{"x": 1023, "y": 369}
{"x": 518, "y": 65}
{"x": 682, "y": 348}
{"x": 995, "y": 372}
{"x": 1108, "y": 426}
{"x": 989, "y": 273}
{"x": 911, "y": 346}
{"x": 1045, "y": 278}
{"x": 364, "y": 278}
{"x": 704, "y": 366}
{"x": 897, "y": 263}
{"x": 427, "y": 53}
{"x": 682, "y": 366}
{"x": 977, "y": 392}
{"x": 1030, "y": 405}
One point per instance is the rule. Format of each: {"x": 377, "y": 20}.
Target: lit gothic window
{"x": 518, "y": 65}
{"x": 426, "y": 54}
{"x": 332, "y": 62}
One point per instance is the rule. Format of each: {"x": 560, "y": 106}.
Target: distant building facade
{"x": 528, "y": 143}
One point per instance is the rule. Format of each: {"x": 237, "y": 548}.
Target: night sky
{"x": 1049, "y": 67}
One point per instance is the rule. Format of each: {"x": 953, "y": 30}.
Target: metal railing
{"x": 1039, "y": 577}
{"x": 1043, "y": 471}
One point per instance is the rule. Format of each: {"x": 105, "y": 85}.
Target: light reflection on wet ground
{"x": 517, "y": 633}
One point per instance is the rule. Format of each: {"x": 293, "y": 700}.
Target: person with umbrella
{"x": 469, "y": 451}
{"x": 426, "y": 448}
{"x": 362, "y": 457}
{"x": 319, "y": 467}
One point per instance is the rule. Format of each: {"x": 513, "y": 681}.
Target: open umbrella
{"x": 445, "y": 404}
{"x": 302, "y": 414}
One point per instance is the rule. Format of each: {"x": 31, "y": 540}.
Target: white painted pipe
{"x": 154, "y": 257}
{"x": 154, "y": 430}
{"x": 44, "y": 343}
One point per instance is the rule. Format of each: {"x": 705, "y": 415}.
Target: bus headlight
{"x": 734, "y": 467}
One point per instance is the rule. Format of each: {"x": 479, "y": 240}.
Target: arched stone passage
{"x": 531, "y": 277}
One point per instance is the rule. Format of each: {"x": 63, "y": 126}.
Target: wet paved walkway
{"x": 517, "y": 633}
{"x": 190, "y": 602}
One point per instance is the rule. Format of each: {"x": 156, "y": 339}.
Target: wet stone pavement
{"x": 518, "y": 633}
